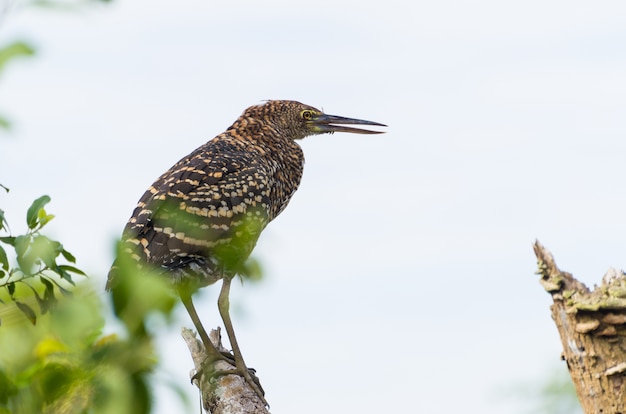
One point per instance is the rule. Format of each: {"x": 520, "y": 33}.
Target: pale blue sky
{"x": 402, "y": 271}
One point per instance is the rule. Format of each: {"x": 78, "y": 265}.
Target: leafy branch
{"x": 37, "y": 266}
{"x": 63, "y": 363}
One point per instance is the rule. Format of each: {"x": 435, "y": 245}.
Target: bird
{"x": 200, "y": 220}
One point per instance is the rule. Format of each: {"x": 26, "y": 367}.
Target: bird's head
{"x": 296, "y": 120}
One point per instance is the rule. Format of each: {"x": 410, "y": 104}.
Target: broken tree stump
{"x": 592, "y": 327}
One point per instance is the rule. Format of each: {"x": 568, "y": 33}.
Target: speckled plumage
{"x": 219, "y": 197}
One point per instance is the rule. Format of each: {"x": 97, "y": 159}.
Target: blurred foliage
{"x": 139, "y": 293}
{"x": 14, "y": 50}
{"x": 54, "y": 356}
{"x": 59, "y": 4}
{"x": 553, "y": 394}
{"x": 557, "y": 395}
{"x": 8, "y": 53}
{"x": 65, "y": 3}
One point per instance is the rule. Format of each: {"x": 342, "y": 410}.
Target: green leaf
{"x": 7, "y": 388}
{"x": 28, "y": 311}
{"x": 43, "y": 305}
{"x": 47, "y": 283}
{"x": 8, "y": 240}
{"x": 64, "y": 274}
{"x": 14, "y": 50}
{"x": 21, "y": 244}
{"x": 33, "y": 211}
{"x": 68, "y": 256}
{"x": 72, "y": 269}
{"x": 48, "y": 294}
{"x": 3, "y": 221}
{"x": 4, "y": 124}
{"x": 44, "y": 249}
{"x": 43, "y": 217}
{"x": 11, "y": 288}
{"x": 24, "y": 260}
{"x": 4, "y": 261}
{"x": 63, "y": 291}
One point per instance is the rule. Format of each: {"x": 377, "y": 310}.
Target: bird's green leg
{"x": 213, "y": 353}
{"x": 223, "y": 303}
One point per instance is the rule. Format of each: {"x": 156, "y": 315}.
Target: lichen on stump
{"x": 592, "y": 327}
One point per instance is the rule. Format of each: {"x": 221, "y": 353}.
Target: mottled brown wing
{"x": 208, "y": 208}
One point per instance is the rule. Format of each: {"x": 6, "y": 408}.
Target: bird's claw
{"x": 248, "y": 374}
{"x": 207, "y": 365}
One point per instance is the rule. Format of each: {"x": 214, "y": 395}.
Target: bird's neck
{"x": 262, "y": 134}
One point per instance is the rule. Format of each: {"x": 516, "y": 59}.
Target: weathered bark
{"x": 226, "y": 394}
{"x": 592, "y": 326}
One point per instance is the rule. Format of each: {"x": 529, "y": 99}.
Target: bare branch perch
{"x": 225, "y": 394}
{"x": 592, "y": 326}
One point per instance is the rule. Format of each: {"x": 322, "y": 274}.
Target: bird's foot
{"x": 208, "y": 364}
{"x": 248, "y": 374}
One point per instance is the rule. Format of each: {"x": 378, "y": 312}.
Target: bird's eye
{"x": 307, "y": 115}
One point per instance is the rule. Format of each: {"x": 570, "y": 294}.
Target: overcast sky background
{"x": 400, "y": 278}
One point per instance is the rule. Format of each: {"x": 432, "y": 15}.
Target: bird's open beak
{"x": 327, "y": 123}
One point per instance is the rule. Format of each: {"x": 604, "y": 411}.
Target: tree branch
{"x": 592, "y": 326}
{"x": 225, "y": 394}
